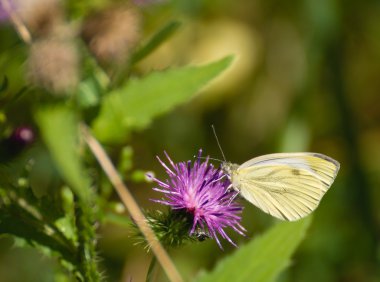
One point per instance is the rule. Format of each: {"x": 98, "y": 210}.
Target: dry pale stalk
{"x": 133, "y": 208}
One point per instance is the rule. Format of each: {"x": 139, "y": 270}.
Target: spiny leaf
{"x": 17, "y": 221}
{"x": 263, "y": 259}
{"x": 140, "y": 100}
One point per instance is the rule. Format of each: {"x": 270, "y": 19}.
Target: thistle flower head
{"x": 53, "y": 64}
{"x": 202, "y": 192}
{"x": 111, "y": 34}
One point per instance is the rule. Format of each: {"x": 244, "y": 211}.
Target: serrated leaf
{"x": 140, "y": 100}
{"x": 264, "y": 258}
{"x": 58, "y": 127}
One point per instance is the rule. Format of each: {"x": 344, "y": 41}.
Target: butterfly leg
{"x": 229, "y": 188}
{"x": 218, "y": 179}
{"x": 233, "y": 197}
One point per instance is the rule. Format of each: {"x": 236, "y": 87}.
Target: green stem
{"x": 87, "y": 242}
{"x": 150, "y": 276}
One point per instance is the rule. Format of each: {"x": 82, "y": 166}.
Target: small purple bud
{"x": 20, "y": 138}
{"x": 22, "y": 135}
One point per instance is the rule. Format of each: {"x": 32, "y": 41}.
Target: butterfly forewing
{"x": 289, "y": 185}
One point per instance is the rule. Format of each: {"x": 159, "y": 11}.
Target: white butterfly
{"x": 288, "y": 186}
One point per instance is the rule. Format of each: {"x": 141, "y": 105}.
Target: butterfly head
{"x": 229, "y": 168}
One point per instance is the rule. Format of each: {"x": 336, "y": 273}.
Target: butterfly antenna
{"x": 217, "y": 141}
{"x": 205, "y": 158}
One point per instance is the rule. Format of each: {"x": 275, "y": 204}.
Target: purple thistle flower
{"x": 202, "y": 192}
{"x": 4, "y": 16}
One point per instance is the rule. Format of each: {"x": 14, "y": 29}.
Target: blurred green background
{"x": 306, "y": 77}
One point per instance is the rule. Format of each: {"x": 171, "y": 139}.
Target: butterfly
{"x": 288, "y": 186}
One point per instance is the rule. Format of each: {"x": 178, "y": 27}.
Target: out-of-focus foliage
{"x": 304, "y": 78}
{"x": 264, "y": 257}
{"x": 135, "y": 105}
{"x": 61, "y": 122}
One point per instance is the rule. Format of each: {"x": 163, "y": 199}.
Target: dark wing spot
{"x": 295, "y": 172}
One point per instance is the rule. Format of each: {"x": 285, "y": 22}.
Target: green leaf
{"x": 88, "y": 93}
{"x": 125, "y": 160}
{"x": 58, "y": 127}
{"x": 91, "y": 89}
{"x": 263, "y": 258}
{"x": 140, "y": 100}
{"x": 167, "y": 31}
{"x": 118, "y": 219}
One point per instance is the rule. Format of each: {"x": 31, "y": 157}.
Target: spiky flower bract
{"x": 201, "y": 190}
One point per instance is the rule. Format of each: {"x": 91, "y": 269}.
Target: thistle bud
{"x": 53, "y": 64}
{"x": 41, "y": 17}
{"x": 112, "y": 34}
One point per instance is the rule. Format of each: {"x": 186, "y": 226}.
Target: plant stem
{"x": 151, "y": 274}
{"x": 86, "y": 238}
{"x": 131, "y": 205}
